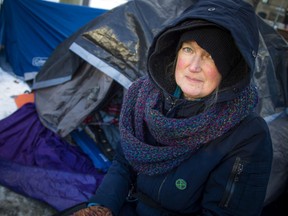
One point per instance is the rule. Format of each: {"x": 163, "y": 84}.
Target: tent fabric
{"x": 120, "y": 47}
{"x": 31, "y": 29}
{"x": 77, "y": 98}
{"x": 271, "y": 75}
{"x": 36, "y": 162}
{"x": 278, "y": 182}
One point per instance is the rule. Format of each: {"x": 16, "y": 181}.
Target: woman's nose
{"x": 195, "y": 64}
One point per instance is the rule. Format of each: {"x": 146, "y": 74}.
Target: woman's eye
{"x": 187, "y": 49}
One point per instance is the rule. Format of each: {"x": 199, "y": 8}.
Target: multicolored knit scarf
{"x": 177, "y": 138}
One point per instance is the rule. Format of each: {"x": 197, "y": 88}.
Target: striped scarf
{"x": 177, "y": 138}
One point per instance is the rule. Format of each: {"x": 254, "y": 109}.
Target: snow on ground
{"x": 10, "y": 86}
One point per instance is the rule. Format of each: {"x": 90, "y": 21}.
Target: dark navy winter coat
{"x": 227, "y": 176}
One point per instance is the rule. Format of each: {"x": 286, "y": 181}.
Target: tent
{"x": 31, "y": 29}
{"x": 90, "y": 70}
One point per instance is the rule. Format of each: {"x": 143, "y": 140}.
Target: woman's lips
{"x": 191, "y": 79}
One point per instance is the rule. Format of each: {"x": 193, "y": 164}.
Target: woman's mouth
{"x": 192, "y": 79}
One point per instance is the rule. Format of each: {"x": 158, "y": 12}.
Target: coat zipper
{"x": 234, "y": 177}
{"x": 172, "y": 104}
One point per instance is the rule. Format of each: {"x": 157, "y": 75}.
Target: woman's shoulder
{"x": 255, "y": 120}
{"x": 254, "y": 129}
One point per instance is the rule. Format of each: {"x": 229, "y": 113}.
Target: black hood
{"x": 162, "y": 53}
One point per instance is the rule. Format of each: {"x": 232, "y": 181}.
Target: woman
{"x": 191, "y": 142}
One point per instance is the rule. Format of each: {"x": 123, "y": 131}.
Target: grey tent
{"x": 111, "y": 48}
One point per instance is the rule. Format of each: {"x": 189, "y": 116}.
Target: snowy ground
{"x": 13, "y": 204}
{"x": 9, "y": 87}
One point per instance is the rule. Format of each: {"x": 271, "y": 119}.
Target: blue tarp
{"x": 31, "y": 29}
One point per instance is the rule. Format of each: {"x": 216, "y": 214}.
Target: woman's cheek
{"x": 180, "y": 64}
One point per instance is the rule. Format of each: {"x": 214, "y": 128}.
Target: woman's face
{"x": 196, "y": 73}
